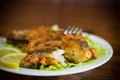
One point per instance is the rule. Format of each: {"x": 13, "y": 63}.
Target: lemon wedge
{"x": 5, "y": 50}
{"x": 12, "y": 60}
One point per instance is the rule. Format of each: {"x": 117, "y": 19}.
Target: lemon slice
{"x": 5, "y": 50}
{"x": 12, "y": 60}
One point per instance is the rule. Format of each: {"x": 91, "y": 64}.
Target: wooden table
{"x": 94, "y": 18}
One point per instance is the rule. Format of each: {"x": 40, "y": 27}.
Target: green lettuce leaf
{"x": 101, "y": 51}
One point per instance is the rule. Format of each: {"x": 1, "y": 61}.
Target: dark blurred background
{"x": 100, "y": 17}
{"x": 88, "y": 14}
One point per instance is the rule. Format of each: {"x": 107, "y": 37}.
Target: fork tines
{"x": 72, "y": 30}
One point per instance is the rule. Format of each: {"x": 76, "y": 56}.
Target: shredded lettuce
{"x": 101, "y": 51}
{"x": 34, "y": 66}
{"x": 3, "y": 43}
{"x": 51, "y": 67}
{"x": 58, "y": 67}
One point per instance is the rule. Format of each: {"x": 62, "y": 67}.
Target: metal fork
{"x": 72, "y": 30}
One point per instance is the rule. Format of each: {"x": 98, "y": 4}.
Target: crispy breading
{"x": 76, "y": 48}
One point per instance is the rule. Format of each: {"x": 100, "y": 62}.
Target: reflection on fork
{"x": 72, "y": 30}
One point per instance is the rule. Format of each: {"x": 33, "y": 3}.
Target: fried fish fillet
{"x": 41, "y": 34}
{"x": 46, "y": 57}
{"x": 77, "y": 49}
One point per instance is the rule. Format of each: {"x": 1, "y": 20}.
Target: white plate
{"x": 98, "y": 62}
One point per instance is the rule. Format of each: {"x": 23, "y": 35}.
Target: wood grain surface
{"x": 99, "y": 19}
